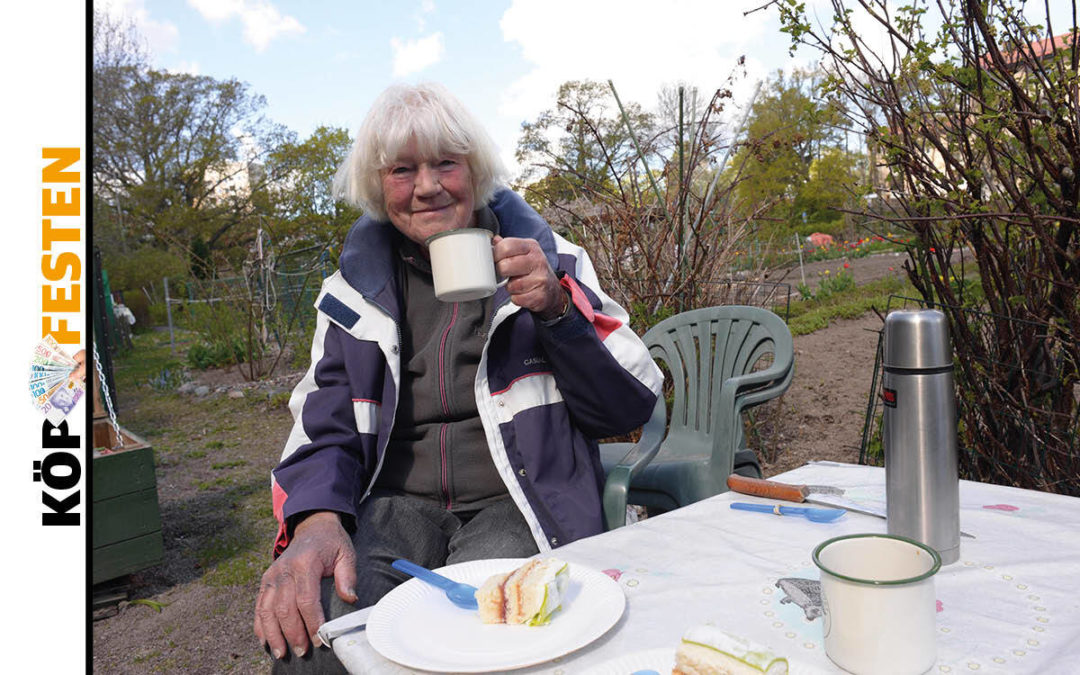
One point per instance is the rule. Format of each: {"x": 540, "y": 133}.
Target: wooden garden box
{"x": 127, "y": 521}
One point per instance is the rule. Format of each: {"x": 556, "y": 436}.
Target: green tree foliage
{"x": 581, "y": 146}
{"x": 191, "y": 167}
{"x": 304, "y": 209}
{"x": 971, "y": 108}
{"x": 794, "y": 154}
{"x": 179, "y": 155}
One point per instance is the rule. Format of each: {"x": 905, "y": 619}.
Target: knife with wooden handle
{"x": 773, "y": 490}
{"x": 803, "y": 493}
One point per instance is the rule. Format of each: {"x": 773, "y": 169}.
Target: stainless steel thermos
{"x": 922, "y": 487}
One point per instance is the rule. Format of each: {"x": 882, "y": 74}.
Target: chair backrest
{"x": 710, "y": 355}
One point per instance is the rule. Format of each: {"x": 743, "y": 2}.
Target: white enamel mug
{"x": 879, "y": 602}
{"x": 462, "y": 264}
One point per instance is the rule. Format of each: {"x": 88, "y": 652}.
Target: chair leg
{"x": 747, "y": 464}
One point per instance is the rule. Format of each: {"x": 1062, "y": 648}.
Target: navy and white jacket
{"x": 544, "y": 393}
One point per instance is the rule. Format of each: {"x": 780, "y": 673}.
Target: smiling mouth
{"x": 438, "y": 209}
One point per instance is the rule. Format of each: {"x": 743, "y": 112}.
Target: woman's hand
{"x": 531, "y": 282}
{"x": 288, "y": 609}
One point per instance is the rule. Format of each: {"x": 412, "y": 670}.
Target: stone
{"x": 236, "y": 393}
{"x": 202, "y": 390}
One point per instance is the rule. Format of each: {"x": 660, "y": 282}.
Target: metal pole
{"x": 798, "y": 247}
{"x": 633, "y": 138}
{"x": 168, "y": 314}
{"x": 727, "y": 154}
{"x": 679, "y": 201}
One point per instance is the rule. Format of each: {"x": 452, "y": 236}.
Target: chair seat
{"x": 668, "y": 483}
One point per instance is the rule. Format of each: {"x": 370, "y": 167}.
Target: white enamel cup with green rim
{"x": 879, "y": 602}
{"x": 463, "y": 264}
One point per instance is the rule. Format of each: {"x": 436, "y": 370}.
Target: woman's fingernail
{"x": 278, "y": 653}
{"x": 316, "y": 641}
{"x": 299, "y": 651}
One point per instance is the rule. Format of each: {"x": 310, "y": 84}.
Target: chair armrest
{"x": 617, "y": 485}
{"x": 746, "y": 391}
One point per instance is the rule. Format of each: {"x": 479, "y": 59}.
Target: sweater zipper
{"x": 444, "y": 467}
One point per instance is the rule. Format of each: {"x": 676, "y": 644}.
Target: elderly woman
{"x": 433, "y": 431}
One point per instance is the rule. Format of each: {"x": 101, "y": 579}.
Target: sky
{"x": 320, "y": 62}
{"x": 323, "y": 62}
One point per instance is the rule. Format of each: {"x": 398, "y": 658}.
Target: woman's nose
{"x": 427, "y": 181}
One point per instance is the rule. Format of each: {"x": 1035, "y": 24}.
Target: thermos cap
{"x": 917, "y": 339}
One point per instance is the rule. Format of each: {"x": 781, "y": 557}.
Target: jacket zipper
{"x": 444, "y": 468}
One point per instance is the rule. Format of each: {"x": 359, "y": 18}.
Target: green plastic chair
{"x": 711, "y": 354}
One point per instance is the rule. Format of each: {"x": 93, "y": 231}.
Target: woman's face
{"x": 425, "y": 196}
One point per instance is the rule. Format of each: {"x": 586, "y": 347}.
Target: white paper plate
{"x": 661, "y": 660}
{"x": 416, "y": 626}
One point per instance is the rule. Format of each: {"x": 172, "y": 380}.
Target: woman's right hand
{"x": 288, "y": 609}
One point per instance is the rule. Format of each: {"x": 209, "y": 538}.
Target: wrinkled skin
{"x": 288, "y": 611}
{"x": 532, "y": 283}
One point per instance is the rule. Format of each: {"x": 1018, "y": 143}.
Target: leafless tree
{"x": 973, "y": 114}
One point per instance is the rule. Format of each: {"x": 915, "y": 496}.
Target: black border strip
{"x": 895, "y": 370}
{"x": 88, "y": 203}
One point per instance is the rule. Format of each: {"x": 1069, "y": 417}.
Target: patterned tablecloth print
{"x": 1011, "y": 604}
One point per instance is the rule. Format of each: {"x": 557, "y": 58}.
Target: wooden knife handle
{"x": 766, "y": 488}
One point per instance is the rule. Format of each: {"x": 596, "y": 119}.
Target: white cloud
{"x": 638, "y": 44}
{"x": 426, "y": 7}
{"x": 161, "y": 36}
{"x": 411, "y": 56}
{"x": 186, "y": 67}
{"x": 262, "y": 22}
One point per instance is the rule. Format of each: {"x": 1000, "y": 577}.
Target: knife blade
{"x": 804, "y": 493}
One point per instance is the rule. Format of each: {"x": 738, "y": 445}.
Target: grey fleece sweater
{"x": 438, "y": 449}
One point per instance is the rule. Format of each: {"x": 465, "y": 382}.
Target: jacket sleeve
{"x": 602, "y": 368}
{"x": 607, "y": 378}
{"x": 323, "y": 465}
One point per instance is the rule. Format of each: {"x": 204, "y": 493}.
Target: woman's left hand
{"x": 531, "y": 282}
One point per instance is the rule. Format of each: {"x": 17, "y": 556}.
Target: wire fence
{"x": 1006, "y": 436}
{"x": 244, "y": 317}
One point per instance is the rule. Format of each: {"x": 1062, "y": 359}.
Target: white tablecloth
{"x": 1011, "y": 604}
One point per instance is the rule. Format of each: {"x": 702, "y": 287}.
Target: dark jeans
{"x": 389, "y": 527}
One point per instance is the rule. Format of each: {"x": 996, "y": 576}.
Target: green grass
{"x": 220, "y": 481}
{"x": 280, "y": 400}
{"x": 238, "y": 557}
{"x": 143, "y": 658}
{"x": 228, "y": 465}
{"x": 808, "y": 316}
{"x": 150, "y": 358}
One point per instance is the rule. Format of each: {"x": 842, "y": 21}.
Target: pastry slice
{"x": 706, "y": 650}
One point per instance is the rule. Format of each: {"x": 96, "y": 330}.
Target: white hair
{"x": 440, "y": 125}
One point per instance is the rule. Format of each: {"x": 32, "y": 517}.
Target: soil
{"x": 193, "y": 613}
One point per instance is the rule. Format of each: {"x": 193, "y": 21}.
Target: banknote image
{"x": 56, "y": 379}
{"x": 63, "y": 401}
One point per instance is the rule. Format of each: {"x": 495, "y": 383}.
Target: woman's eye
{"x": 399, "y": 170}
{"x": 447, "y": 163}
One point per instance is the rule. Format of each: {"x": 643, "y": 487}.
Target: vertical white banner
{"x": 42, "y": 47}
